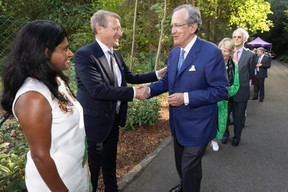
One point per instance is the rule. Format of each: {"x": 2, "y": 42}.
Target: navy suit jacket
{"x": 97, "y": 93}
{"x": 203, "y": 76}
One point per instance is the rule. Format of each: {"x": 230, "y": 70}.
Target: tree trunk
{"x": 133, "y": 41}
{"x": 161, "y": 34}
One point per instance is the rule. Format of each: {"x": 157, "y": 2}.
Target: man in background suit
{"x": 196, "y": 80}
{"x": 246, "y": 68}
{"x": 263, "y": 63}
{"x": 102, "y": 78}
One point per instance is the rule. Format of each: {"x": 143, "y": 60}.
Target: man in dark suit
{"x": 102, "y": 78}
{"x": 246, "y": 68}
{"x": 263, "y": 63}
{"x": 196, "y": 80}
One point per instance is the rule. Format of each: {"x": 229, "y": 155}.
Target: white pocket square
{"x": 192, "y": 68}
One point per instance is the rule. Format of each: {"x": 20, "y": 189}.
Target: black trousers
{"x": 103, "y": 155}
{"x": 189, "y": 165}
{"x": 238, "y": 110}
{"x": 259, "y": 87}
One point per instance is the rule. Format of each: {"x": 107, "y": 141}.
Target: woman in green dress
{"x": 227, "y": 47}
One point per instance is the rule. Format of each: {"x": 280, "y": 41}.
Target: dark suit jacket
{"x": 97, "y": 93}
{"x": 203, "y": 76}
{"x": 266, "y": 63}
{"x": 246, "y": 69}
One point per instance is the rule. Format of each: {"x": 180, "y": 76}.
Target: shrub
{"x": 72, "y": 78}
{"x": 142, "y": 113}
{"x": 13, "y": 152}
{"x": 283, "y": 58}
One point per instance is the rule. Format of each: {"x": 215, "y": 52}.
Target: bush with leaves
{"x": 13, "y": 152}
{"x": 142, "y": 113}
{"x": 284, "y": 57}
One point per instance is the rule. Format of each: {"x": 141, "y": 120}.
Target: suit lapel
{"x": 174, "y": 64}
{"x": 243, "y": 57}
{"x": 190, "y": 58}
{"x": 102, "y": 61}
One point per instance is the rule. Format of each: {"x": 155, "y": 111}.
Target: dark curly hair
{"x": 28, "y": 59}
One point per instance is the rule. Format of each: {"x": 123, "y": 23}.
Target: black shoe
{"x": 235, "y": 143}
{"x": 178, "y": 188}
{"x": 254, "y": 98}
{"x": 224, "y": 140}
{"x": 261, "y": 100}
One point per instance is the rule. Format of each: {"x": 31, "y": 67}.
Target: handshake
{"x": 175, "y": 99}
{"x": 142, "y": 92}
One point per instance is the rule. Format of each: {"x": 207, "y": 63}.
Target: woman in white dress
{"x": 35, "y": 91}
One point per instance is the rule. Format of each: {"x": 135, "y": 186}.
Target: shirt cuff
{"x": 186, "y": 98}
{"x": 134, "y": 95}
{"x": 157, "y": 75}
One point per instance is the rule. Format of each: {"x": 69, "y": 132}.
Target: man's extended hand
{"x": 142, "y": 92}
{"x": 259, "y": 65}
{"x": 176, "y": 99}
{"x": 162, "y": 72}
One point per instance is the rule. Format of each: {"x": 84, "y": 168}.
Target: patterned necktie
{"x": 113, "y": 66}
{"x": 181, "y": 59}
{"x": 235, "y": 58}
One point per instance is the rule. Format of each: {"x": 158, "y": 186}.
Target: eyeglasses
{"x": 237, "y": 37}
{"x": 176, "y": 26}
{"x": 117, "y": 29}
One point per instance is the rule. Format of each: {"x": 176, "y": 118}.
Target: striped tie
{"x": 114, "y": 75}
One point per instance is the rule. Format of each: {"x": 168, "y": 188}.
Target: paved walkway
{"x": 258, "y": 164}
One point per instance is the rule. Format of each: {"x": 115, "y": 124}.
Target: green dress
{"x": 233, "y": 78}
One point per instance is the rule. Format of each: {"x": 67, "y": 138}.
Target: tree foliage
{"x": 286, "y": 23}
{"x": 220, "y": 18}
{"x": 69, "y": 14}
{"x": 277, "y": 34}
{"x": 253, "y": 15}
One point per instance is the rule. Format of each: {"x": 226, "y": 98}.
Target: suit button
{"x": 106, "y": 115}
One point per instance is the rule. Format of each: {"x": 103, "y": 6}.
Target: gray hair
{"x": 243, "y": 31}
{"x": 99, "y": 18}
{"x": 193, "y": 14}
{"x": 261, "y": 49}
{"x": 227, "y": 43}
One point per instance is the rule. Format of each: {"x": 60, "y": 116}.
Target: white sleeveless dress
{"x": 67, "y": 140}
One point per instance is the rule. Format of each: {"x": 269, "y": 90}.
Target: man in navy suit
{"x": 102, "y": 78}
{"x": 196, "y": 80}
{"x": 263, "y": 63}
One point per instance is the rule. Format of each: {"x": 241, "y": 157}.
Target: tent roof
{"x": 258, "y": 42}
